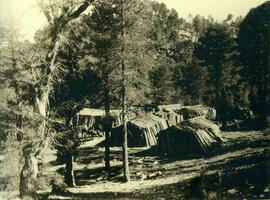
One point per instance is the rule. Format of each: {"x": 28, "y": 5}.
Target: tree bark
{"x": 32, "y": 150}
{"x": 40, "y": 107}
{"x": 29, "y": 173}
{"x": 69, "y": 175}
{"x": 124, "y": 102}
{"x": 125, "y": 141}
{"x": 107, "y": 122}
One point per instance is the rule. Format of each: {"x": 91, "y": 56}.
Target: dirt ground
{"x": 239, "y": 169}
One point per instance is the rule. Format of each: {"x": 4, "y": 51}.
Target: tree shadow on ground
{"x": 87, "y": 176}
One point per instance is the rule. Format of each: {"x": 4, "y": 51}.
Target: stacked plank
{"x": 190, "y": 137}
{"x": 142, "y": 131}
{"x": 171, "y": 116}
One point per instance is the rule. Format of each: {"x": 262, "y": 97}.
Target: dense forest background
{"x": 168, "y": 60}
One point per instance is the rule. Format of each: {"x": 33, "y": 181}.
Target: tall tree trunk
{"x": 124, "y": 102}
{"x": 107, "y": 122}
{"x": 218, "y": 91}
{"x": 69, "y": 174}
{"x": 125, "y": 141}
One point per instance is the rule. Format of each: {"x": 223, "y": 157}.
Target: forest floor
{"x": 239, "y": 169}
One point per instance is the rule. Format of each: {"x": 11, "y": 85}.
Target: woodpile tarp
{"x": 190, "y": 112}
{"x": 190, "y": 137}
{"x": 142, "y": 131}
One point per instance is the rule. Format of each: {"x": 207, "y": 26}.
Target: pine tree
{"x": 254, "y": 47}
{"x": 135, "y": 60}
{"x": 215, "y": 49}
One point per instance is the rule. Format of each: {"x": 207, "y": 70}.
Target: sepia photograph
{"x": 134, "y": 99}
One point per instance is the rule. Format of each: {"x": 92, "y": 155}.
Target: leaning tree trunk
{"x": 31, "y": 153}
{"x": 32, "y": 150}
